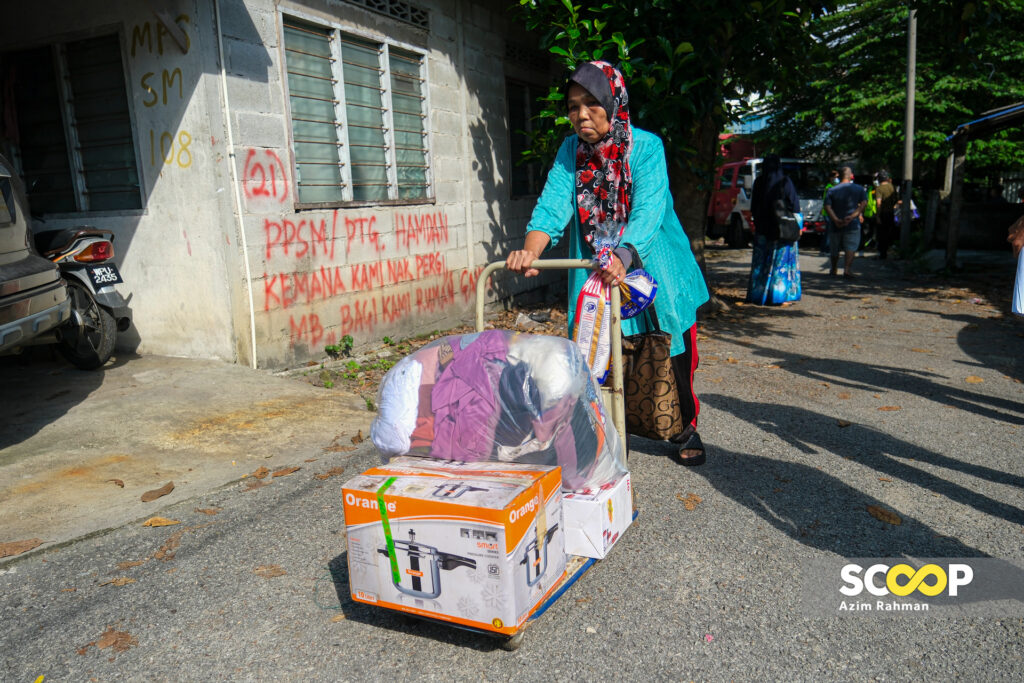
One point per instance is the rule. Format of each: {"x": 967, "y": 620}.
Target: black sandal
{"x": 692, "y": 453}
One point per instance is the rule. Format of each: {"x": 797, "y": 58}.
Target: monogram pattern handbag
{"x": 652, "y": 397}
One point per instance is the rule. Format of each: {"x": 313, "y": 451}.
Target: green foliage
{"x": 342, "y": 349}
{"x": 387, "y": 341}
{"x": 970, "y": 57}
{"x": 328, "y": 384}
{"x": 370, "y": 405}
{"x": 686, "y": 64}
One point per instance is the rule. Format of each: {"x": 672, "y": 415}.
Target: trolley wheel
{"x": 512, "y": 643}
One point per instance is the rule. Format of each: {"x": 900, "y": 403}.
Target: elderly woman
{"x": 610, "y": 170}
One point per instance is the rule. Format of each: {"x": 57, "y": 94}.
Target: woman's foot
{"x": 691, "y": 452}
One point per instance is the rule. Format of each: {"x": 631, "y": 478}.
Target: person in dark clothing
{"x": 886, "y": 198}
{"x": 774, "y": 266}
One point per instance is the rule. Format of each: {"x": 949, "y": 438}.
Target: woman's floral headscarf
{"x": 604, "y": 182}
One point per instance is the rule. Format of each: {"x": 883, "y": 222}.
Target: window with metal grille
{"x": 358, "y": 115}
{"x": 75, "y": 143}
{"x": 397, "y": 9}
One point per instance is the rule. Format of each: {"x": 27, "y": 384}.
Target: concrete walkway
{"x": 78, "y": 449}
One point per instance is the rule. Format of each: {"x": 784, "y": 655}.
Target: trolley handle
{"x": 618, "y": 407}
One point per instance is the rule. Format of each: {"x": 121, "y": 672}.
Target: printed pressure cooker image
{"x": 538, "y": 564}
{"x": 454, "y": 490}
{"x": 421, "y": 564}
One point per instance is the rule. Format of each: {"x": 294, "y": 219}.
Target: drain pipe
{"x": 234, "y": 183}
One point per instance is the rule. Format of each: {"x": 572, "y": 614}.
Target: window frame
{"x": 528, "y": 89}
{"x": 337, "y": 31}
{"x": 57, "y": 47}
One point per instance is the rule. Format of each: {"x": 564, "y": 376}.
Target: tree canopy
{"x": 686, "y": 65}
{"x": 851, "y": 103}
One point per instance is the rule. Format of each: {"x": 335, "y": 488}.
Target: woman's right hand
{"x": 519, "y": 262}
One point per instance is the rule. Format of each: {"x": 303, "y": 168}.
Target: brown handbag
{"x": 652, "y": 397}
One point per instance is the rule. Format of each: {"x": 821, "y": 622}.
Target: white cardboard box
{"x": 478, "y": 544}
{"x": 595, "y": 520}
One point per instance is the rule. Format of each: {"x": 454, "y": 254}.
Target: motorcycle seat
{"x": 52, "y": 242}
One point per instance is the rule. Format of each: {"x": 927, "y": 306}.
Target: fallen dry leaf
{"x": 973, "y": 379}
{"x": 116, "y": 482}
{"x": 921, "y": 350}
{"x": 260, "y": 473}
{"x": 285, "y": 471}
{"x": 19, "y": 547}
{"x": 771, "y": 367}
{"x": 166, "y": 552}
{"x": 358, "y": 438}
{"x": 119, "y": 581}
{"x": 269, "y": 571}
{"x": 691, "y": 501}
{"x": 890, "y": 408}
{"x": 337, "y": 617}
{"x": 150, "y": 496}
{"x": 884, "y": 479}
{"x": 128, "y": 565}
{"x": 309, "y": 460}
{"x": 883, "y": 515}
{"x": 253, "y": 485}
{"x": 119, "y": 640}
{"x": 68, "y": 590}
{"x": 339, "y": 449}
{"x": 844, "y": 395}
{"x": 208, "y": 511}
{"x": 843, "y": 423}
{"x": 160, "y": 521}
{"x": 333, "y": 472}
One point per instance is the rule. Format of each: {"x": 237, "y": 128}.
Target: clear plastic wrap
{"x": 501, "y": 396}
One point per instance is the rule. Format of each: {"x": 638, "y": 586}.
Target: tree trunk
{"x": 691, "y": 185}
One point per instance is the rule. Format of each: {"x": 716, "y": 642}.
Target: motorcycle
{"x": 98, "y": 311}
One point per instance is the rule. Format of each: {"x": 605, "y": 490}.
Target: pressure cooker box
{"x": 478, "y": 544}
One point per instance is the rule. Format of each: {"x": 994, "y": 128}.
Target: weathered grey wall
{"x": 316, "y": 275}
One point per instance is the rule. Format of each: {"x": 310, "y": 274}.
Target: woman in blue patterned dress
{"x": 775, "y": 264}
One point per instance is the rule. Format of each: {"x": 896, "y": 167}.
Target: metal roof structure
{"x": 990, "y": 121}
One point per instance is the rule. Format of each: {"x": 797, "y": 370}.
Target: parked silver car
{"x": 33, "y": 297}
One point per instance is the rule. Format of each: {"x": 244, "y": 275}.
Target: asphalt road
{"x": 903, "y": 394}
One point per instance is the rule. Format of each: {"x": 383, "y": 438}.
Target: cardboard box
{"x": 595, "y": 520}
{"x": 477, "y": 544}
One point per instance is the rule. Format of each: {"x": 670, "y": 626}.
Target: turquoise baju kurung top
{"x": 653, "y": 229}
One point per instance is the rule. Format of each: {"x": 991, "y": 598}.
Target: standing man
{"x": 886, "y": 198}
{"x": 833, "y": 180}
{"x": 845, "y": 205}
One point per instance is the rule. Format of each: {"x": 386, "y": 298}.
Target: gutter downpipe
{"x": 234, "y": 184}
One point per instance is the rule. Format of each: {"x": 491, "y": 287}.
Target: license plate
{"x": 106, "y": 274}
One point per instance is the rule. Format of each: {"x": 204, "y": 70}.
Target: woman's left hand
{"x": 614, "y": 272}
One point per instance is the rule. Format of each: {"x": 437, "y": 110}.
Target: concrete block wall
{"x": 213, "y": 211}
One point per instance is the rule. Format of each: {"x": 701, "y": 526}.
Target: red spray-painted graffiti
{"x": 264, "y": 176}
{"x": 416, "y": 229}
{"x": 304, "y": 236}
{"x": 370, "y": 297}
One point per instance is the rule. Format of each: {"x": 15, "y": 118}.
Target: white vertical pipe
{"x": 234, "y": 184}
